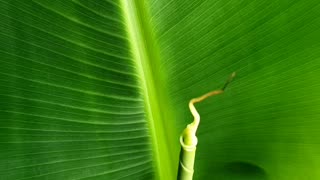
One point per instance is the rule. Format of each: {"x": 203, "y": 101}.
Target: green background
{"x": 99, "y": 89}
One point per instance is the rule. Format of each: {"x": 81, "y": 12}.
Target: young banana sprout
{"x": 188, "y": 139}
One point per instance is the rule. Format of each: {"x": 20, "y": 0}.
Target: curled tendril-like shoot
{"x": 189, "y": 134}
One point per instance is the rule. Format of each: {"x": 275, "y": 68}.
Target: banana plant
{"x": 100, "y": 89}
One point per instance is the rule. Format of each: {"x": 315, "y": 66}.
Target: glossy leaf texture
{"x": 84, "y": 96}
{"x": 267, "y": 123}
{"x": 70, "y": 100}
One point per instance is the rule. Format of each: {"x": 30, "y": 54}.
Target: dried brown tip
{"x": 231, "y": 77}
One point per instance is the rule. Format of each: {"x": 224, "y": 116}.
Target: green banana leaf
{"x": 99, "y": 89}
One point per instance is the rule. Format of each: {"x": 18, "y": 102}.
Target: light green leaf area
{"x": 99, "y": 89}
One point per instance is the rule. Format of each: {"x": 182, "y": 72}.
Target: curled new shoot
{"x": 188, "y": 138}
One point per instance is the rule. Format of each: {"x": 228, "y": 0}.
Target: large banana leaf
{"x": 99, "y": 89}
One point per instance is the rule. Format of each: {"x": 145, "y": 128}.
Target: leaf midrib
{"x": 160, "y": 115}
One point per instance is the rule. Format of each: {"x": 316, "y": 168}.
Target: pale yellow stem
{"x": 189, "y": 135}
{"x": 194, "y": 111}
{"x": 188, "y": 139}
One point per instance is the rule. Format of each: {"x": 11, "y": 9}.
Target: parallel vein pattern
{"x": 266, "y": 125}
{"x": 70, "y": 99}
